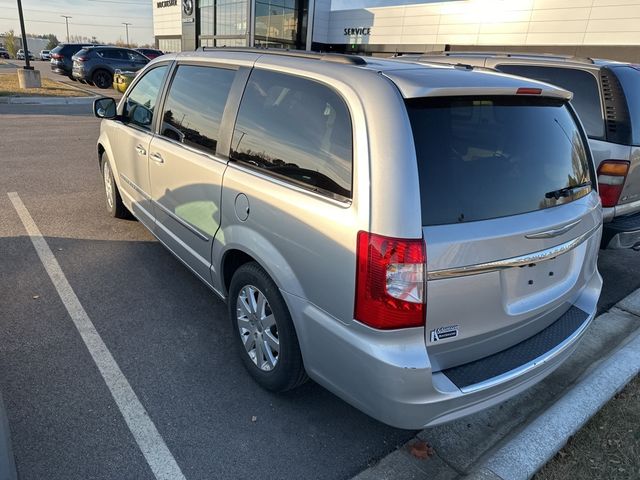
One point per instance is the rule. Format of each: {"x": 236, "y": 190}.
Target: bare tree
{"x": 10, "y": 40}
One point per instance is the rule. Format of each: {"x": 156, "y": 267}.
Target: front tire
{"x": 102, "y": 79}
{"x": 115, "y": 207}
{"x": 264, "y": 333}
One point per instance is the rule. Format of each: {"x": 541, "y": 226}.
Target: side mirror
{"x": 140, "y": 115}
{"x": 105, "y": 107}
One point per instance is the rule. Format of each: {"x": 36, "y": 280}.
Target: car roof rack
{"x": 550, "y": 56}
{"x": 326, "y": 57}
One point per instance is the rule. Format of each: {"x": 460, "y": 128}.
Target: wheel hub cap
{"x": 257, "y": 328}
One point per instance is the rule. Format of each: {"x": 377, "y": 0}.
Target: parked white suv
{"x": 421, "y": 240}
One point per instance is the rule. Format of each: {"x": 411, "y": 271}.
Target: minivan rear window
{"x": 490, "y": 157}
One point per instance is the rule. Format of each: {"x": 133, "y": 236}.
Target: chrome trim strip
{"x": 627, "y": 208}
{"x": 555, "y": 232}
{"x": 186, "y": 225}
{"x": 132, "y": 184}
{"x": 270, "y": 178}
{"x": 511, "y": 262}
{"x": 542, "y": 359}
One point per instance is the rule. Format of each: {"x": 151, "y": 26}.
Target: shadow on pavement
{"x": 173, "y": 341}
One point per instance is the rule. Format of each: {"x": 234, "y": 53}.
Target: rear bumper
{"x": 60, "y": 69}
{"x": 80, "y": 74}
{"x": 622, "y": 232}
{"x": 388, "y": 375}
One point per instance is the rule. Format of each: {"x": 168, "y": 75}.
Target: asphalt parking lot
{"x": 167, "y": 332}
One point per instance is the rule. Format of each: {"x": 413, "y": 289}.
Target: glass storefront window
{"x": 223, "y": 18}
{"x": 281, "y": 23}
{"x": 231, "y": 17}
{"x": 277, "y": 23}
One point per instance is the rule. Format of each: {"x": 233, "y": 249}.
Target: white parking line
{"x": 156, "y": 452}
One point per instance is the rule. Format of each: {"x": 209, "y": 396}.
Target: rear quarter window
{"x": 629, "y": 77}
{"x": 584, "y": 85}
{"x": 491, "y": 157}
{"x": 297, "y": 130}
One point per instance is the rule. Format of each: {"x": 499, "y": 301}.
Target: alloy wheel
{"x": 257, "y": 328}
{"x": 108, "y": 186}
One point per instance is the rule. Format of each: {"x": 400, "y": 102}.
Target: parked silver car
{"x": 607, "y": 99}
{"x": 421, "y": 240}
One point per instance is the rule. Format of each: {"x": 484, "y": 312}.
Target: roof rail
{"x": 551, "y": 56}
{"x": 327, "y": 57}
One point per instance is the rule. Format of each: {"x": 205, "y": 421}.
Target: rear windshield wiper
{"x": 566, "y": 191}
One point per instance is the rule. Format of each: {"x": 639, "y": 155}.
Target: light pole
{"x": 66, "y": 19}
{"x": 24, "y": 38}
{"x": 126, "y": 26}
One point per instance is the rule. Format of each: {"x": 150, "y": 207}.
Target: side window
{"x": 136, "y": 57}
{"x": 195, "y": 104}
{"x": 295, "y": 129}
{"x": 141, "y": 101}
{"x": 112, "y": 54}
{"x": 586, "y": 92}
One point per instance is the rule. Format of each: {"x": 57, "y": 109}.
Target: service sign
{"x": 358, "y": 31}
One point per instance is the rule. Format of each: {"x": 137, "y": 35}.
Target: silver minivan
{"x": 606, "y": 96}
{"x": 420, "y": 240}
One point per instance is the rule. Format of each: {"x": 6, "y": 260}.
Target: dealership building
{"x": 601, "y": 28}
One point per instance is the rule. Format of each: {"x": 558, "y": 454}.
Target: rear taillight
{"x": 81, "y": 59}
{"x": 57, "y": 56}
{"x": 611, "y": 177}
{"x": 390, "y": 282}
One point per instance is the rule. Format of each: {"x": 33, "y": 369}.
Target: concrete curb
{"x": 47, "y": 100}
{"x": 531, "y": 448}
{"x": 527, "y": 446}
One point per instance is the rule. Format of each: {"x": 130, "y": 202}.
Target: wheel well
{"x": 233, "y": 260}
{"x": 100, "y": 152}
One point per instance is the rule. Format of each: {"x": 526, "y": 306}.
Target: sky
{"x": 102, "y": 18}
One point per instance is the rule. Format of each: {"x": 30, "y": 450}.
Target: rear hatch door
{"x": 510, "y": 215}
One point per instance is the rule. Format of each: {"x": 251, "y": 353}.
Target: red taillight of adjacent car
{"x": 611, "y": 177}
{"x": 57, "y": 56}
{"x": 390, "y": 282}
{"x": 81, "y": 59}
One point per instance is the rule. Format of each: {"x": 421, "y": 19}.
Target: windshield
{"x": 490, "y": 157}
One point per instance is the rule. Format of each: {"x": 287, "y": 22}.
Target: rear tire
{"x": 115, "y": 207}
{"x": 102, "y": 79}
{"x": 264, "y": 333}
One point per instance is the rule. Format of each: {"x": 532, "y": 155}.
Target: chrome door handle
{"x": 156, "y": 157}
{"x": 140, "y": 149}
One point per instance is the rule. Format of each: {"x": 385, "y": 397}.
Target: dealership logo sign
{"x": 187, "y": 7}
{"x": 167, "y": 3}
{"x": 359, "y": 31}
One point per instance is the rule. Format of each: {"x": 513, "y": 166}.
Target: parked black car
{"x": 61, "y": 57}
{"x": 4, "y": 54}
{"x": 98, "y": 64}
{"x": 150, "y": 53}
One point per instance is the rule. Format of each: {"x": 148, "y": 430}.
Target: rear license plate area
{"x": 535, "y": 278}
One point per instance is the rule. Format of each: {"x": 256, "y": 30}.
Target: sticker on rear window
{"x": 443, "y": 333}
